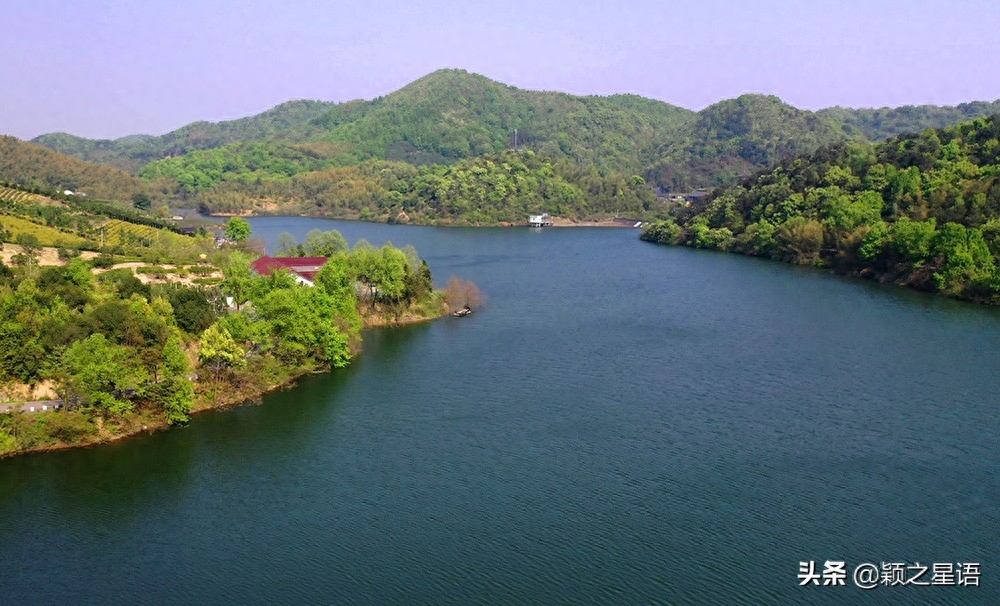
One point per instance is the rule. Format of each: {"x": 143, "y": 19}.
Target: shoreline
{"x": 149, "y": 425}
{"x": 556, "y": 221}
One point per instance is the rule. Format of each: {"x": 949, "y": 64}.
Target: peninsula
{"x": 153, "y": 326}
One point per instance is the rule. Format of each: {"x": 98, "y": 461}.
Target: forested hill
{"x": 734, "y": 138}
{"x": 441, "y": 118}
{"x": 921, "y": 210}
{"x": 288, "y": 121}
{"x": 39, "y": 168}
{"x": 883, "y": 123}
{"x": 451, "y": 115}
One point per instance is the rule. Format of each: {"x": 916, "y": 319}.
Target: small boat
{"x": 463, "y": 312}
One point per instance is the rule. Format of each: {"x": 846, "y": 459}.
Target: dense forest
{"x": 451, "y": 116}
{"x": 882, "y": 123}
{"x": 734, "y": 138}
{"x": 488, "y": 190}
{"x": 921, "y": 210}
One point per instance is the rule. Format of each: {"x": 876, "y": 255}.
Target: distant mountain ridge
{"x": 879, "y": 124}
{"x": 451, "y": 115}
{"x": 39, "y": 168}
{"x": 288, "y": 120}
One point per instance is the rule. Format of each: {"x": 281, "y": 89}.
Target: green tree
{"x": 101, "y": 373}
{"x": 288, "y": 246}
{"x": 30, "y": 247}
{"x": 175, "y": 362}
{"x": 801, "y": 239}
{"x": 239, "y": 280}
{"x": 303, "y": 327}
{"x": 912, "y": 239}
{"x": 238, "y": 229}
{"x": 337, "y": 278}
{"x": 323, "y": 243}
{"x": 967, "y": 266}
{"x": 191, "y": 308}
{"x": 141, "y": 201}
{"x": 218, "y": 350}
{"x": 178, "y": 401}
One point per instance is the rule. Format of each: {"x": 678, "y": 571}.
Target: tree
{"x": 238, "y": 279}
{"x": 30, "y": 247}
{"x": 178, "y": 401}
{"x": 323, "y": 243}
{"x": 459, "y": 294}
{"x": 141, "y": 201}
{"x": 218, "y": 350}
{"x": 288, "y": 246}
{"x": 101, "y": 373}
{"x": 419, "y": 283}
{"x": 337, "y": 278}
{"x": 389, "y": 277}
{"x": 254, "y": 334}
{"x": 801, "y": 239}
{"x": 967, "y": 266}
{"x": 174, "y": 392}
{"x": 238, "y": 229}
{"x": 302, "y": 325}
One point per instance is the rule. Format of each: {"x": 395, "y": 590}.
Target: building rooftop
{"x": 307, "y": 267}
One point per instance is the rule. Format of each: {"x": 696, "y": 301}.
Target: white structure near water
{"x": 541, "y": 220}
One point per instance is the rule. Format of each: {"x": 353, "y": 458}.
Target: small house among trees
{"x": 304, "y": 269}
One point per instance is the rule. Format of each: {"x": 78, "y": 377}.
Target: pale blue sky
{"x": 103, "y": 68}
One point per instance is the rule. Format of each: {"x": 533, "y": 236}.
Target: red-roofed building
{"x": 303, "y": 268}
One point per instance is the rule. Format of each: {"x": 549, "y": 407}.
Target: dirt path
{"x": 47, "y": 256}
{"x": 187, "y": 280}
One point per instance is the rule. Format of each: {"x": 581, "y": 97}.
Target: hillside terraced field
{"x": 16, "y": 196}
{"x": 122, "y": 233}
{"x": 47, "y": 236}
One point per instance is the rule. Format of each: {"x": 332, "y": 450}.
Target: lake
{"x": 624, "y": 423}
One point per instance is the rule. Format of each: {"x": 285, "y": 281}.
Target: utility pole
{"x": 515, "y": 139}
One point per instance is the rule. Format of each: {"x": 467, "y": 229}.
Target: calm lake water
{"x": 624, "y": 423}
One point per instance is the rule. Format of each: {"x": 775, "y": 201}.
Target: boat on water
{"x": 462, "y": 312}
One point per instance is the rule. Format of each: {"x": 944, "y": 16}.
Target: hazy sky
{"x": 108, "y": 68}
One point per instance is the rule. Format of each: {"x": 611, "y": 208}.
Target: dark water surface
{"x": 624, "y": 424}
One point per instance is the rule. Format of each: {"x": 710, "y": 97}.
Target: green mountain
{"x": 289, "y": 121}
{"x": 443, "y": 117}
{"x": 451, "y": 115}
{"x": 734, "y": 138}
{"x": 39, "y": 168}
{"x": 921, "y": 210}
